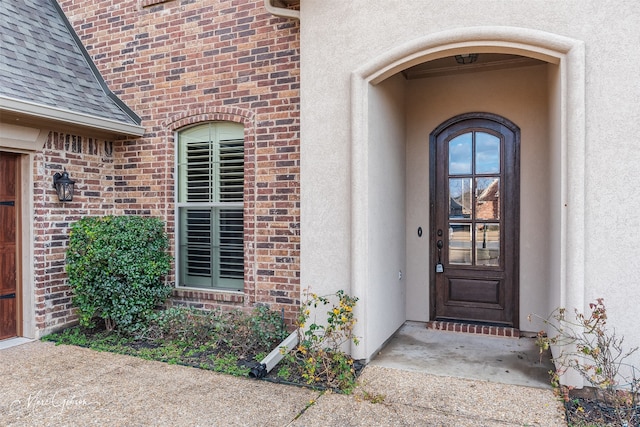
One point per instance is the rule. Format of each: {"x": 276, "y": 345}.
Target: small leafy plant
{"x": 319, "y": 357}
{"x": 597, "y": 354}
{"x": 373, "y": 397}
{"x": 116, "y": 266}
{"x": 242, "y": 333}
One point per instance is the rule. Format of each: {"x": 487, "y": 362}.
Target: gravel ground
{"x": 47, "y": 385}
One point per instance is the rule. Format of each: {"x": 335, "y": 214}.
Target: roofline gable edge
{"x": 94, "y": 69}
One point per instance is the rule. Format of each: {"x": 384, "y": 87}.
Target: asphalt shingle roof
{"x": 41, "y": 62}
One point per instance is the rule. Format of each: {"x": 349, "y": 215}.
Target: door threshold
{"x": 12, "y": 342}
{"x": 472, "y": 328}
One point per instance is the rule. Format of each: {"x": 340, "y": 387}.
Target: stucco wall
{"x": 386, "y": 283}
{"x": 597, "y": 122}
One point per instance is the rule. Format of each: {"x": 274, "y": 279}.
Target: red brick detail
{"x": 209, "y": 295}
{"x": 468, "y": 328}
{"x": 179, "y": 63}
{"x": 201, "y": 115}
{"x": 89, "y": 160}
{"x": 206, "y": 300}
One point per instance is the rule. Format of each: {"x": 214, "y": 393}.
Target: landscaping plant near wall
{"x": 319, "y": 357}
{"x": 593, "y": 350}
{"x": 116, "y": 266}
{"x": 235, "y": 341}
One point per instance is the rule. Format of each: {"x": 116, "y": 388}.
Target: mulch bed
{"x": 196, "y": 359}
{"x": 582, "y": 409}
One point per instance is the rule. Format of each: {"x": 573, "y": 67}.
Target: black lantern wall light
{"x": 63, "y": 186}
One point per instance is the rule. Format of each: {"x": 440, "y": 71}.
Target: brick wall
{"x": 90, "y": 162}
{"x": 177, "y": 63}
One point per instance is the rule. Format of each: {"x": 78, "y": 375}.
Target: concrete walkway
{"x": 47, "y": 385}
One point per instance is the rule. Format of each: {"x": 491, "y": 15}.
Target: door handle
{"x": 439, "y": 245}
{"x": 8, "y": 296}
{"x": 9, "y": 203}
{"x": 439, "y": 266}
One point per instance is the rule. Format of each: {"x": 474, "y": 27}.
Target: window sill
{"x": 208, "y": 295}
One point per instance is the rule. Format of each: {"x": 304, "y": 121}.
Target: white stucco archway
{"x": 567, "y": 122}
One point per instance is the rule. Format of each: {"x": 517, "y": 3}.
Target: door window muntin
{"x": 474, "y": 237}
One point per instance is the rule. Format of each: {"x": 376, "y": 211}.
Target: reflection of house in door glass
{"x": 488, "y": 234}
{"x": 488, "y": 202}
{"x": 455, "y": 209}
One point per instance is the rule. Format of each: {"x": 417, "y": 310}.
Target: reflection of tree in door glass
{"x": 460, "y": 198}
{"x": 487, "y": 244}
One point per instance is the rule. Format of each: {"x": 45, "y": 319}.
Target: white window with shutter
{"x": 210, "y": 171}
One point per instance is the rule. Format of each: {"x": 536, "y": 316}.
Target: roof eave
{"x": 71, "y": 117}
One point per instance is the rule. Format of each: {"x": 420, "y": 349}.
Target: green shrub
{"x": 116, "y": 266}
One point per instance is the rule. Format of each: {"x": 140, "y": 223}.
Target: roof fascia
{"x": 72, "y": 117}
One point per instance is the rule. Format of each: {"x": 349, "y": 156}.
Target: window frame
{"x": 218, "y": 284}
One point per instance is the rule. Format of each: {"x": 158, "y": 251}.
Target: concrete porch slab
{"x": 496, "y": 359}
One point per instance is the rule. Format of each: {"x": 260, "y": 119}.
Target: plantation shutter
{"x": 210, "y": 206}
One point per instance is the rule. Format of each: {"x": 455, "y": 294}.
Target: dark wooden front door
{"x": 8, "y": 244}
{"x": 475, "y": 220}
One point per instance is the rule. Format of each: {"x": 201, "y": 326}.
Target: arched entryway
{"x": 392, "y": 119}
